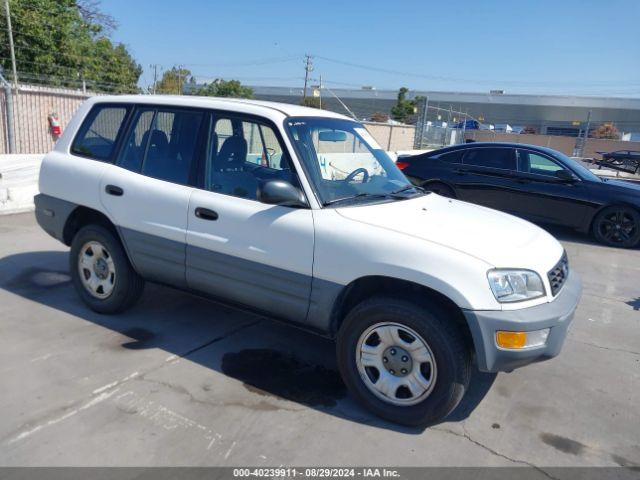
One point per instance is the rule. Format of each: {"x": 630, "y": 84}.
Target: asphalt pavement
{"x": 179, "y": 380}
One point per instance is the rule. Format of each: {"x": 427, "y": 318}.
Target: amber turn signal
{"x": 511, "y": 339}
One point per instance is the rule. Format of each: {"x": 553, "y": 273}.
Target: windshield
{"x": 344, "y": 162}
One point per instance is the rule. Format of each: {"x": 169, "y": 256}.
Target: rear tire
{"x": 447, "y": 374}
{"x": 440, "y": 189}
{"x": 101, "y": 272}
{"x": 617, "y": 226}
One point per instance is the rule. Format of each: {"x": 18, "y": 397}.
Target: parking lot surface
{"x": 179, "y": 380}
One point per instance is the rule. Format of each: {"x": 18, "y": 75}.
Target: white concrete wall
{"x": 18, "y": 182}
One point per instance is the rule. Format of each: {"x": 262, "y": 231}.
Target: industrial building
{"x": 545, "y": 114}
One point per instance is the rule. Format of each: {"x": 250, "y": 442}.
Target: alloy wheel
{"x": 619, "y": 226}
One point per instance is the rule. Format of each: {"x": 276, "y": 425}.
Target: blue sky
{"x": 582, "y": 47}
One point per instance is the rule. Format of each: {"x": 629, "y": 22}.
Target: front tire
{"x": 406, "y": 363}
{"x": 617, "y": 226}
{"x": 101, "y": 272}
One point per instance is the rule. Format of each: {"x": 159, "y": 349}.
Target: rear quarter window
{"x": 451, "y": 157}
{"x": 97, "y": 136}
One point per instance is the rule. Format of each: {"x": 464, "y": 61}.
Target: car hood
{"x": 499, "y": 239}
{"x": 628, "y": 187}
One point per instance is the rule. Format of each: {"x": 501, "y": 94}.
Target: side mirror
{"x": 280, "y": 192}
{"x": 565, "y": 176}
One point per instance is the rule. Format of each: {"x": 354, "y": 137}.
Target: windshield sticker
{"x": 366, "y": 136}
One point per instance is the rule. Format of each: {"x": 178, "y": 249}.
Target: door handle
{"x": 114, "y": 190}
{"x": 461, "y": 171}
{"x": 206, "y": 214}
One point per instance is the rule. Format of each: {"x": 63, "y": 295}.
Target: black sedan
{"x": 537, "y": 183}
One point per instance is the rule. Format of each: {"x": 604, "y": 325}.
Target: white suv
{"x": 298, "y": 214}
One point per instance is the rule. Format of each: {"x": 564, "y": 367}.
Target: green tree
{"x": 405, "y": 110}
{"x": 225, "y": 88}
{"x": 313, "y": 102}
{"x": 63, "y": 42}
{"x": 173, "y": 81}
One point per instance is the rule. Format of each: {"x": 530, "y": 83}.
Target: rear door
{"x": 147, "y": 192}
{"x": 238, "y": 248}
{"x": 542, "y": 196}
{"x": 486, "y": 176}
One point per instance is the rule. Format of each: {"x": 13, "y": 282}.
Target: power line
{"x": 81, "y": 58}
{"x": 251, "y": 63}
{"x": 463, "y": 80}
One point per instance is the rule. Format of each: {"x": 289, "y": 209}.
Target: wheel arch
{"x": 446, "y": 183}
{"x": 369, "y": 286}
{"x": 621, "y": 203}
{"x": 82, "y": 216}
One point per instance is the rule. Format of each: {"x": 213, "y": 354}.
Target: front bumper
{"x": 555, "y": 315}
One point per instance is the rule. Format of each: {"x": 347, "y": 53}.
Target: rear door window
{"x": 499, "y": 158}
{"x": 136, "y": 144}
{"x": 97, "y": 136}
{"x": 163, "y": 144}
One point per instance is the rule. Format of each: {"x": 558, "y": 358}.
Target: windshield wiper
{"x": 359, "y": 195}
{"x": 409, "y": 187}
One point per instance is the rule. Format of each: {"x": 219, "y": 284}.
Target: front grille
{"x": 558, "y": 274}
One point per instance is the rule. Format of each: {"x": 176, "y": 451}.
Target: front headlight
{"x": 515, "y": 285}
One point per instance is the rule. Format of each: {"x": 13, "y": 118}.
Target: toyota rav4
{"x": 298, "y": 214}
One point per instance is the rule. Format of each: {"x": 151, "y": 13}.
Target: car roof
{"x": 466, "y": 146}
{"x": 223, "y": 103}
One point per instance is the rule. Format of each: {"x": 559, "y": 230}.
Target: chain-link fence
{"x": 437, "y": 127}
{"x": 28, "y": 112}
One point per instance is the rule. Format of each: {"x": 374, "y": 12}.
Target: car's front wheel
{"x": 617, "y": 226}
{"x": 101, "y": 272}
{"x": 405, "y": 362}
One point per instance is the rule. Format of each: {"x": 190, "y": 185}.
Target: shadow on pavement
{"x": 571, "y": 235}
{"x": 269, "y": 357}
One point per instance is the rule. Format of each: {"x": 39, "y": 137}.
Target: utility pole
{"x": 155, "y": 77}
{"x": 8, "y": 95}
{"x": 308, "y": 68}
{"x": 13, "y": 52}
{"x": 180, "y": 79}
{"x": 320, "y": 94}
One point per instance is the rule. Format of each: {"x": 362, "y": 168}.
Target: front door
{"x": 543, "y": 196}
{"x": 239, "y": 249}
{"x": 147, "y": 192}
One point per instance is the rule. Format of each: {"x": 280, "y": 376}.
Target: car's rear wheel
{"x": 406, "y": 363}
{"x": 101, "y": 272}
{"x": 441, "y": 189}
{"x": 617, "y": 226}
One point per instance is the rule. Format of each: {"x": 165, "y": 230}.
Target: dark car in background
{"x": 536, "y": 183}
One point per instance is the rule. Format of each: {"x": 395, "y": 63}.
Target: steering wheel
{"x": 355, "y": 173}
